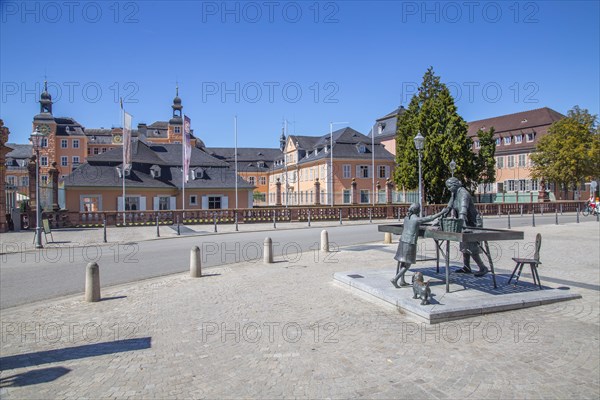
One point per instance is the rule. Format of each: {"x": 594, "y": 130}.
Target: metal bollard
{"x": 274, "y": 219}
{"x": 268, "y": 251}
{"x": 387, "y": 238}
{"x": 324, "y": 241}
{"x": 236, "y": 222}
{"x": 521, "y": 207}
{"x": 309, "y": 217}
{"x": 555, "y": 216}
{"x": 195, "y": 266}
{"x": 542, "y": 210}
{"x": 157, "y": 228}
{"x": 509, "y": 220}
{"x": 92, "y": 282}
{"x": 533, "y": 217}
{"x": 340, "y": 216}
{"x": 215, "y": 221}
{"x": 399, "y": 214}
{"x": 561, "y": 210}
{"x": 577, "y": 213}
{"x": 104, "y": 236}
{"x": 178, "y": 232}
{"x": 371, "y": 215}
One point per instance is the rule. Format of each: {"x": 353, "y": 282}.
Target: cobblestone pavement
{"x": 286, "y": 330}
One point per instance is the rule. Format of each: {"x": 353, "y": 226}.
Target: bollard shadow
{"x": 34, "y": 377}
{"x": 207, "y": 275}
{"x": 59, "y": 242}
{"x": 74, "y": 353}
{"x": 112, "y": 298}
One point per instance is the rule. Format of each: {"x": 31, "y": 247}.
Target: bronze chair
{"x": 533, "y": 263}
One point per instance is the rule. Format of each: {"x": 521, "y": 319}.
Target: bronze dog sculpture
{"x": 421, "y": 289}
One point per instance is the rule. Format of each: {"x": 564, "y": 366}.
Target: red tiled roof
{"x": 516, "y": 122}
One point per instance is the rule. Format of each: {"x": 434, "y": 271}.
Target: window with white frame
{"x": 530, "y": 137}
{"x": 75, "y": 143}
{"x": 44, "y": 142}
{"x": 363, "y": 171}
{"x": 500, "y": 162}
{"x": 534, "y": 184}
{"x": 44, "y": 179}
{"x": 90, "y": 203}
{"x": 44, "y": 161}
{"x": 498, "y": 141}
{"x": 511, "y": 161}
{"x": 383, "y": 172}
{"x": 214, "y": 202}
{"x": 522, "y": 185}
{"x": 75, "y": 160}
{"x": 477, "y": 144}
{"x": 346, "y": 196}
{"x": 164, "y": 202}
{"x": 251, "y": 180}
{"x": 510, "y": 185}
{"x": 364, "y": 196}
{"x": 518, "y": 139}
{"x": 96, "y": 150}
{"x": 522, "y": 160}
{"x": 347, "y": 171}
{"x": 24, "y": 181}
{"x": 64, "y": 161}
{"x": 63, "y": 143}
{"x": 177, "y": 129}
{"x": 507, "y": 140}
{"x": 132, "y": 203}
{"x": 11, "y": 180}
{"x": 262, "y": 180}
{"x": 193, "y": 200}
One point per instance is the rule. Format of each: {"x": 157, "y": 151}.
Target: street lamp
{"x": 452, "y": 167}
{"x": 419, "y": 144}
{"x": 330, "y": 178}
{"x": 36, "y": 140}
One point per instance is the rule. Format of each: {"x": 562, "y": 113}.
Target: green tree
{"x": 486, "y": 160}
{"x": 569, "y": 154}
{"x": 432, "y": 112}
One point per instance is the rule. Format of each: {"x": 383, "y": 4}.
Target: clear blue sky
{"x": 353, "y": 61}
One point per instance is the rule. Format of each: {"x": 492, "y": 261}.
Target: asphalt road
{"x": 53, "y": 272}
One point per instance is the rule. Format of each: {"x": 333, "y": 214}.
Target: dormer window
{"x": 507, "y": 140}
{"x": 361, "y": 148}
{"x": 177, "y": 129}
{"x": 530, "y": 137}
{"x": 120, "y": 172}
{"x": 381, "y": 128}
{"x": 477, "y": 144}
{"x": 524, "y": 121}
{"x": 316, "y": 151}
{"x": 498, "y": 141}
{"x": 155, "y": 171}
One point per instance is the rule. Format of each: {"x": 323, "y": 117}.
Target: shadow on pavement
{"x": 34, "y": 377}
{"x": 74, "y": 353}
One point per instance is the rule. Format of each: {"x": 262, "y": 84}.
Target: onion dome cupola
{"x": 45, "y": 104}
{"x": 177, "y": 109}
{"x": 282, "y": 139}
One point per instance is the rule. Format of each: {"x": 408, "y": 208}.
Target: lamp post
{"x": 419, "y": 144}
{"x": 330, "y": 178}
{"x": 452, "y": 167}
{"x": 36, "y": 141}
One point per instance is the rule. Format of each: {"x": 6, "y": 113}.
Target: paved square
{"x": 287, "y": 330}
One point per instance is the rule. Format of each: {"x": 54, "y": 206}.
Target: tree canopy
{"x": 570, "y": 153}
{"x": 433, "y": 113}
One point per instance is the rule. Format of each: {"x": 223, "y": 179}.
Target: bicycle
{"x": 590, "y": 208}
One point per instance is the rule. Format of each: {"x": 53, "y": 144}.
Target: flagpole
{"x": 183, "y": 159}
{"x": 236, "y": 160}
{"x": 373, "y": 163}
{"x": 123, "y": 165}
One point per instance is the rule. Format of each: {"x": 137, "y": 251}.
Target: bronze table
{"x": 481, "y": 235}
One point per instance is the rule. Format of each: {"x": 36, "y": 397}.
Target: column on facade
{"x": 53, "y": 174}
{"x": 278, "y": 192}
{"x": 317, "y": 192}
{"x": 389, "y": 186}
{"x": 376, "y": 194}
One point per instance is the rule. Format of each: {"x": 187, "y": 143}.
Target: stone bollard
{"x": 268, "y": 251}
{"x": 387, "y": 238}
{"x": 92, "y": 282}
{"x": 324, "y": 241}
{"x": 195, "y": 266}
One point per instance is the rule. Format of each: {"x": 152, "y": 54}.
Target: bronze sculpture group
{"x": 462, "y": 206}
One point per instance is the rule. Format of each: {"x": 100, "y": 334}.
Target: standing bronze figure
{"x": 406, "y": 254}
{"x": 461, "y": 203}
